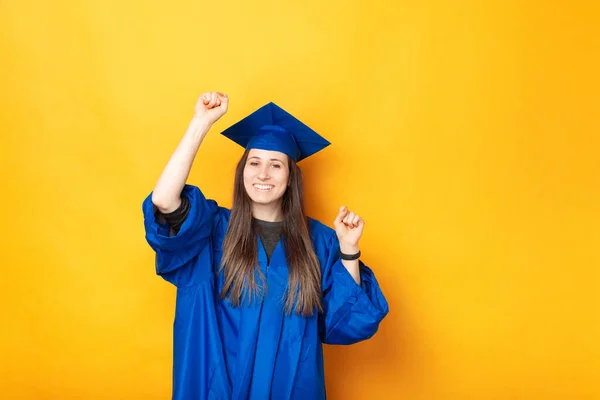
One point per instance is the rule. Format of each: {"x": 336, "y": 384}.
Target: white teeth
{"x": 264, "y": 187}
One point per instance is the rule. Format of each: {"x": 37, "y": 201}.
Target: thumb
{"x": 342, "y": 213}
{"x": 223, "y": 97}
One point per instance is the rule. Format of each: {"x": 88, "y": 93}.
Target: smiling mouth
{"x": 263, "y": 188}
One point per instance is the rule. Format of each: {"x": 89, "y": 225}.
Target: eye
{"x": 253, "y": 163}
{"x": 277, "y": 165}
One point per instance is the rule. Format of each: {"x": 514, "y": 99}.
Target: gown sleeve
{"x": 352, "y": 312}
{"x": 176, "y": 255}
{"x": 176, "y": 218}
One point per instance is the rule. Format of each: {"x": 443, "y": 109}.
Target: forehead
{"x": 267, "y": 154}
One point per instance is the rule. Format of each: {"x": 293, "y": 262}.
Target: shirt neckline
{"x": 262, "y": 222}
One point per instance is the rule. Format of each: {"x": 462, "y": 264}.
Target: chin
{"x": 259, "y": 200}
{"x": 264, "y": 199}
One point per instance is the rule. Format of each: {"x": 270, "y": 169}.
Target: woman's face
{"x": 266, "y": 175}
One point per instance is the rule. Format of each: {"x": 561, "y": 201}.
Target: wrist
{"x": 349, "y": 249}
{"x": 201, "y": 121}
{"x": 199, "y": 126}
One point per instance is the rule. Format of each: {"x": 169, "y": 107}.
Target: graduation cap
{"x": 272, "y": 128}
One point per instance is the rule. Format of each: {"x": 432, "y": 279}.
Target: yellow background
{"x": 465, "y": 133}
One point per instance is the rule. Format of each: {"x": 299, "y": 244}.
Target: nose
{"x": 263, "y": 174}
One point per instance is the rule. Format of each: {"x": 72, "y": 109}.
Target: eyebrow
{"x": 272, "y": 159}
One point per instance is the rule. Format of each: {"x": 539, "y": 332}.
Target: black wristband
{"x": 350, "y": 257}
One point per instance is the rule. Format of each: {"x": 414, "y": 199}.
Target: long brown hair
{"x": 240, "y": 248}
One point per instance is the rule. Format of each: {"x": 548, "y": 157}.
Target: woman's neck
{"x": 267, "y": 212}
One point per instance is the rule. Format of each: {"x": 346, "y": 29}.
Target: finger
{"x": 223, "y": 98}
{"x": 349, "y": 218}
{"x": 352, "y": 219}
{"x": 213, "y": 100}
{"x": 340, "y": 216}
{"x": 204, "y": 98}
{"x": 355, "y": 221}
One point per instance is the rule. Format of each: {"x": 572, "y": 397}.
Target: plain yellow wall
{"x": 465, "y": 133}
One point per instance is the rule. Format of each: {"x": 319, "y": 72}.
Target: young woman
{"x": 260, "y": 287}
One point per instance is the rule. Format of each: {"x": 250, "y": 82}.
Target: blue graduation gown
{"x": 254, "y": 351}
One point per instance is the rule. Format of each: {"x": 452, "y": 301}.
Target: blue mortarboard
{"x": 272, "y": 128}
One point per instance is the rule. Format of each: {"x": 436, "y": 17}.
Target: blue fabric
{"x": 272, "y": 128}
{"x": 254, "y": 351}
{"x": 275, "y": 138}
